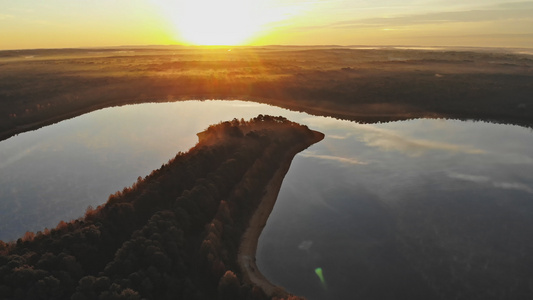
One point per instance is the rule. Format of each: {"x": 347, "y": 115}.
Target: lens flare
{"x": 320, "y": 275}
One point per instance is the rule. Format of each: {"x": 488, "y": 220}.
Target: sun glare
{"x": 207, "y": 22}
{"x": 229, "y": 22}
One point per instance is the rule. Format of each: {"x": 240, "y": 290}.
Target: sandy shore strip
{"x": 250, "y": 238}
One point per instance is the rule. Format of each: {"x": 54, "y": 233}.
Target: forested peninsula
{"x": 174, "y": 234}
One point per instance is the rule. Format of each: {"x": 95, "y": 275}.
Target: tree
{"x": 228, "y": 286}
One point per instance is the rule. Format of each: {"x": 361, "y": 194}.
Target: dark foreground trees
{"x": 172, "y": 235}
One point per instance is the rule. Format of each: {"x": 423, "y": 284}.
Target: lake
{"x": 418, "y": 208}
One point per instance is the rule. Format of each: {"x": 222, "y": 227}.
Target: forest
{"x": 44, "y": 86}
{"x": 174, "y": 234}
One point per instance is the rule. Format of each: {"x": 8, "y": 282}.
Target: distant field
{"x": 39, "y": 87}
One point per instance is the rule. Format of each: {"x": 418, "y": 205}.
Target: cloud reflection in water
{"x": 388, "y": 140}
{"x": 487, "y": 180}
{"x": 343, "y": 160}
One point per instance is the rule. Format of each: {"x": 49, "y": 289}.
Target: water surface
{"x": 388, "y": 210}
{"x": 56, "y": 172}
{"x": 375, "y": 207}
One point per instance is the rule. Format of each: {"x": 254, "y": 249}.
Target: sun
{"x": 224, "y": 22}
{"x": 212, "y": 22}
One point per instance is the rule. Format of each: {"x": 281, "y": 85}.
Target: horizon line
{"x": 383, "y": 47}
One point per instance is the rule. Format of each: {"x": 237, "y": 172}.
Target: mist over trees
{"x": 172, "y": 235}
{"x": 40, "y": 87}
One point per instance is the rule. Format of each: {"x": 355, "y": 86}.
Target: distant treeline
{"x": 172, "y": 235}
{"x": 41, "y": 87}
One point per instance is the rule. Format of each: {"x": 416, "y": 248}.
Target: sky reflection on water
{"x": 56, "y": 172}
{"x": 342, "y": 205}
{"x": 349, "y": 204}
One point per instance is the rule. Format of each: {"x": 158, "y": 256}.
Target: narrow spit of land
{"x": 250, "y": 238}
{"x": 174, "y": 234}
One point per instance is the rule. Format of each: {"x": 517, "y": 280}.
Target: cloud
{"x": 509, "y": 11}
{"x": 487, "y": 180}
{"x": 471, "y": 178}
{"x": 305, "y": 245}
{"x": 18, "y": 156}
{"x": 515, "y": 158}
{"x": 513, "y": 186}
{"x": 5, "y": 17}
{"x": 516, "y": 5}
{"x": 343, "y": 160}
{"x": 337, "y": 137}
{"x": 387, "y": 140}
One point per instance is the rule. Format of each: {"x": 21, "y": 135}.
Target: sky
{"x": 27, "y": 24}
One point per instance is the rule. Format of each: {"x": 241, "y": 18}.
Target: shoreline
{"x": 248, "y": 247}
{"x": 360, "y": 85}
{"x": 362, "y": 113}
{"x": 317, "y": 111}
